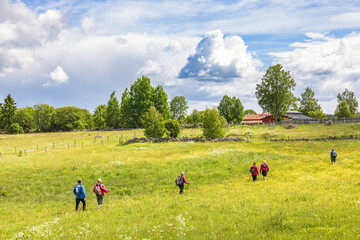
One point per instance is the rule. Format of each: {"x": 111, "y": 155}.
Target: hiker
{"x": 80, "y": 196}
{"x": 264, "y": 168}
{"x": 333, "y": 156}
{"x": 254, "y": 172}
{"x": 99, "y": 190}
{"x": 180, "y": 182}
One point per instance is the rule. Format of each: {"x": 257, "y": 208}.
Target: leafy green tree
{"x": 15, "y": 128}
{"x": 274, "y": 93}
{"x": 42, "y": 116}
{"x": 343, "y": 110}
{"x": 249, "y": 111}
{"x": 126, "y": 109}
{"x": 173, "y": 127}
{"x": 8, "y": 110}
{"x": 113, "y": 114}
{"x": 317, "y": 114}
{"x": 350, "y": 99}
{"x": 308, "y": 103}
{"x": 195, "y": 117}
{"x": 212, "y": 124}
{"x": 153, "y": 123}
{"x": 25, "y": 117}
{"x": 231, "y": 108}
{"x": 71, "y": 118}
{"x": 141, "y": 96}
{"x": 99, "y": 116}
{"x": 160, "y": 100}
{"x": 178, "y": 107}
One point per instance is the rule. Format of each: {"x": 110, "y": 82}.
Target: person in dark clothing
{"x": 183, "y": 180}
{"x": 333, "y": 156}
{"x": 80, "y": 196}
{"x": 264, "y": 168}
{"x": 254, "y": 172}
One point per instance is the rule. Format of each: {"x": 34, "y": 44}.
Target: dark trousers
{"x": 78, "y": 202}
{"x": 181, "y": 189}
{"x": 254, "y": 177}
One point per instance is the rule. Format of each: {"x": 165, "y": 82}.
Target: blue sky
{"x": 77, "y": 52}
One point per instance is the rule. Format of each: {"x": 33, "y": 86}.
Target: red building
{"x": 258, "y": 119}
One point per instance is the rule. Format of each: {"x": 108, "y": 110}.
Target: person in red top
{"x": 183, "y": 180}
{"x": 254, "y": 172}
{"x": 99, "y": 190}
{"x": 264, "y": 168}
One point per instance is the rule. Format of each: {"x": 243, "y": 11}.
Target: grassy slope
{"x": 304, "y": 196}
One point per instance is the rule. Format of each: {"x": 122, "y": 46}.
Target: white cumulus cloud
{"x": 58, "y": 77}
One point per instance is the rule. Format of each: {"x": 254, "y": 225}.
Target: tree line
{"x": 142, "y": 105}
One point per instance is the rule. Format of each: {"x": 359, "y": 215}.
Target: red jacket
{"x": 264, "y": 167}
{"x": 102, "y": 187}
{"x": 256, "y": 170}
{"x": 184, "y": 180}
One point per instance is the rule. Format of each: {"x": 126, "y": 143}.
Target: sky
{"x": 75, "y": 53}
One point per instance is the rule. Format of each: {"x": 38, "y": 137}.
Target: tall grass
{"x": 304, "y": 196}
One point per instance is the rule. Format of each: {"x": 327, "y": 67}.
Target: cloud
{"x": 58, "y": 76}
{"x": 325, "y": 63}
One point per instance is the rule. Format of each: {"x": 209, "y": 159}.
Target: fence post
{"x": 75, "y": 143}
{"x": 95, "y": 140}
{"x": 37, "y": 146}
{"x": 53, "y": 145}
{"x": 25, "y": 152}
{"x": 102, "y": 143}
{"x": 121, "y": 136}
{"x": 45, "y": 149}
{"x": 0, "y": 155}
{"x": 15, "y": 150}
{"x": 119, "y": 140}
{"x": 68, "y": 146}
{"x": 108, "y": 138}
{"x": 134, "y": 135}
{"x": 82, "y": 145}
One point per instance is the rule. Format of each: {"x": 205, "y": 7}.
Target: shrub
{"x": 15, "y": 128}
{"x": 153, "y": 123}
{"x": 173, "y": 127}
{"x": 212, "y": 124}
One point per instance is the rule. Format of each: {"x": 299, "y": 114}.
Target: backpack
{"x": 178, "y": 181}
{"x": 334, "y": 154}
{"x": 264, "y": 167}
{"x": 252, "y": 169}
{"x": 78, "y": 190}
{"x": 97, "y": 189}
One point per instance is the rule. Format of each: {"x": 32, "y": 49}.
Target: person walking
{"x": 99, "y": 190}
{"x": 254, "y": 171}
{"x": 333, "y": 156}
{"x": 180, "y": 181}
{"x": 264, "y": 168}
{"x": 80, "y": 196}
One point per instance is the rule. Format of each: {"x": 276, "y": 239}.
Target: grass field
{"x": 304, "y": 197}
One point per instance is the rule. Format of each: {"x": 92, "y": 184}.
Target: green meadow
{"x": 304, "y": 197}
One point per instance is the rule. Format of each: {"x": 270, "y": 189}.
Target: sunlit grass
{"x": 304, "y": 196}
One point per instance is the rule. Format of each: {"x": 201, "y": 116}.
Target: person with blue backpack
{"x": 333, "y": 156}
{"x": 80, "y": 196}
{"x": 180, "y": 182}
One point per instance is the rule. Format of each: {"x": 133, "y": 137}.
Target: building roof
{"x": 254, "y": 117}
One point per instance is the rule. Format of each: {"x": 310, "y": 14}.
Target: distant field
{"x": 305, "y": 197}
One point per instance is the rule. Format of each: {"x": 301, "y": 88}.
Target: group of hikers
{"x": 99, "y": 188}
{"x": 80, "y": 196}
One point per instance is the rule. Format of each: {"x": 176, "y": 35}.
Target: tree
{"x": 42, "y": 115}
{"x": 195, "y": 117}
{"x": 25, "y": 117}
{"x": 141, "y": 96}
{"x": 308, "y": 103}
{"x": 350, "y": 99}
{"x": 8, "y": 110}
{"x": 173, "y": 127}
{"x": 113, "y": 115}
{"x": 178, "y": 107}
{"x": 212, "y": 124}
{"x": 153, "y": 123}
{"x": 249, "y": 111}
{"x": 231, "y": 109}
{"x": 70, "y": 118}
{"x": 99, "y": 116}
{"x": 343, "y": 110}
{"x": 161, "y": 104}
{"x": 274, "y": 93}
{"x": 125, "y": 109}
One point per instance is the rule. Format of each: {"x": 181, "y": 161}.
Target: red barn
{"x": 258, "y": 119}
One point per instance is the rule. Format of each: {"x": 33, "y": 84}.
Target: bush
{"x": 173, "y": 127}
{"x": 212, "y": 124}
{"x": 153, "y": 123}
{"x": 15, "y": 128}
